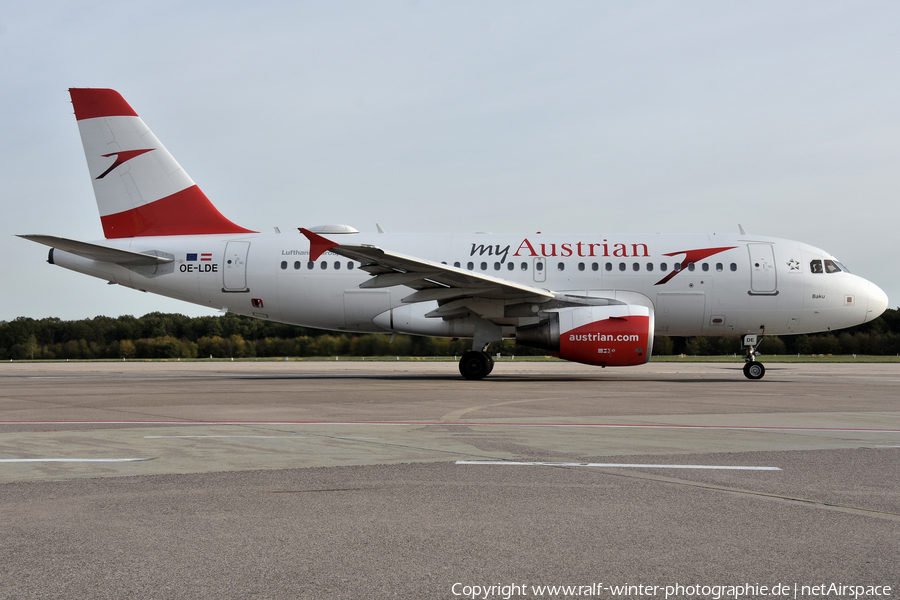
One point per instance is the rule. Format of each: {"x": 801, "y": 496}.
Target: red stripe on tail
{"x": 91, "y": 103}
{"x": 188, "y": 212}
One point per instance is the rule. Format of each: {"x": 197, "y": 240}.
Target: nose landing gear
{"x": 752, "y": 368}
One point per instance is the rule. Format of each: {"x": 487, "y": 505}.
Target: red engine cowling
{"x": 608, "y": 336}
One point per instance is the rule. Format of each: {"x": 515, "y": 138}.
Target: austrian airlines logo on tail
{"x": 122, "y": 157}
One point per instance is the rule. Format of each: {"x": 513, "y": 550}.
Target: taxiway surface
{"x": 352, "y": 480}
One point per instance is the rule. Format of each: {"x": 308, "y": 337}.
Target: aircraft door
{"x": 680, "y": 313}
{"x": 540, "y": 268}
{"x": 762, "y": 269}
{"x": 362, "y": 306}
{"x": 234, "y": 267}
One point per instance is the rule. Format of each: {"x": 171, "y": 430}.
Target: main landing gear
{"x": 752, "y": 368}
{"x": 476, "y": 365}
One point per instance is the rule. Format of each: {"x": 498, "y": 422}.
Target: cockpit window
{"x": 815, "y": 266}
{"x": 831, "y": 267}
{"x": 843, "y": 268}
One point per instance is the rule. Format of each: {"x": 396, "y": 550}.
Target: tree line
{"x": 161, "y": 335}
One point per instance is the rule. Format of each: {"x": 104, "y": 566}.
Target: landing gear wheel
{"x": 475, "y": 365}
{"x": 754, "y": 370}
{"x": 490, "y": 360}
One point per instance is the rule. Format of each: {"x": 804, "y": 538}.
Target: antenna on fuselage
{"x": 741, "y": 228}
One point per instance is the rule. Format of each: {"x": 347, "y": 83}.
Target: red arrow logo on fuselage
{"x": 691, "y": 256}
{"x": 122, "y": 157}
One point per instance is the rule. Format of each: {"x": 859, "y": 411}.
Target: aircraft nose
{"x": 878, "y": 302}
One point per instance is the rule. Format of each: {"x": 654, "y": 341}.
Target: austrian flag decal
{"x": 203, "y": 265}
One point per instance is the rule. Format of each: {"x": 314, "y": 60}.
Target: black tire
{"x": 474, "y": 365}
{"x": 754, "y": 370}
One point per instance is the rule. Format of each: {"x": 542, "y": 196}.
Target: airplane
{"x": 592, "y": 298}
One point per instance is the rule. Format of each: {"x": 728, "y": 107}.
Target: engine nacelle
{"x": 613, "y": 336}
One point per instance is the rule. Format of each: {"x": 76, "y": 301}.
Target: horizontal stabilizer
{"x": 98, "y": 252}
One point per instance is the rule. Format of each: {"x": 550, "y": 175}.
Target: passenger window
{"x": 539, "y": 266}
{"x": 734, "y": 266}
{"x": 705, "y": 267}
{"x": 830, "y": 267}
{"x": 510, "y": 266}
{"x": 470, "y": 265}
{"x": 496, "y": 266}
{"x": 609, "y": 266}
{"x": 337, "y": 265}
{"x": 595, "y": 267}
{"x": 649, "y": 266}
{"x": 663, "y": 267}
{"x": 297, "y": 265}
{"x": 323, "y": 265}
{"x": 284, "y": 264}
{"x": 456, "y": 264}
{"x": 719, "y": 267}
{"x": 622, "y": 266}
{"x": 349, "y": 266}
{"x": 636, "y": 267}
{"x": 561, "y": 266}
{"x": 816, "y": 267}
{"x": 677, "y": 266}
{"x": 484, "y": 266}
{"x": 581, "y": 266}
{"x": 691, "y": 266}
{"x": 524, "y": 266}
{"x": 310, "y": 265}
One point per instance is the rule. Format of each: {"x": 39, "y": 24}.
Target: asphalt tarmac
{"x": 402, "y": 480}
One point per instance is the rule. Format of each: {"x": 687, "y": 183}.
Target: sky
{"x": 463, "y": 116}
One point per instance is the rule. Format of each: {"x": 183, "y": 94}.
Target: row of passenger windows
{"x": 636, "y": 266}
{"x": 524, "y": 266}
{"x": 815, "y": 266}
{"x": 312, "y": 265}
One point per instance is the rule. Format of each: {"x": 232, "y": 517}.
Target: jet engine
{"x": 619, "y": 335}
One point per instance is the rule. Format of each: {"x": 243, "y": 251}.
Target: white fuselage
{"x": 697, "y": 284}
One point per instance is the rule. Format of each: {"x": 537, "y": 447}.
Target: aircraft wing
{"x": 431, "y": 280}
{"x": 98, "y": 252}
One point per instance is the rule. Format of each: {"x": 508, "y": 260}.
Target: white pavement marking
{"x": 620, "y": 465}
{"x": 90, "y": 460}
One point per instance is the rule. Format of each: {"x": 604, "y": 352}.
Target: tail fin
{"x": 140, "y": 189}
